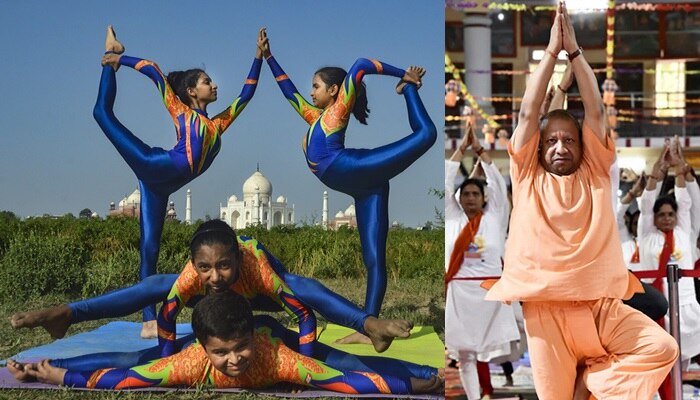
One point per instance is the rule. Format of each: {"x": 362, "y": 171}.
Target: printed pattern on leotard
{"x": 273, "y": 363}
{"x": 198, "y": 136}
{"x": 257, "y": 277}
{"x": 326, "y": 134}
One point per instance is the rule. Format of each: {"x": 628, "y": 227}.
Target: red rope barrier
{"x": 476, "y": 278}
{"x": 687, "y": 273}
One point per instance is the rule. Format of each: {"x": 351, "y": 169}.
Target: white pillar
{"x": 477, "y": 56}
{"x": 256, "y": 206}
{"x": 188, "y": 208}
{"x": 324, "y": 218}
{"x": 269, "y": 213}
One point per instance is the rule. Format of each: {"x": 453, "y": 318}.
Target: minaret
{"x": 256, "y": 209}
{"x": 324, "y": 218}
{"x": 269, "y": 213}
{"x": 188, "y": 208}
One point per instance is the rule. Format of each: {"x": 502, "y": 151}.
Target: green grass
{"x": 49, "y": 261}
{"x": 419, "y": 300}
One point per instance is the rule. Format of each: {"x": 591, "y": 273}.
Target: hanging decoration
{"x": 451, "y": 69}
{"x": 610, "y": 86}
{"x": 617, "y": 70}
{"x": 648, "y": 7}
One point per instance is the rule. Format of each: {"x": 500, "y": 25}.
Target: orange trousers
{"x": 615, "y": 351}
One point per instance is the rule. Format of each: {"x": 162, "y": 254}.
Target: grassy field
{"x": 413, "y": 299}
{"x": 48, "y": 261}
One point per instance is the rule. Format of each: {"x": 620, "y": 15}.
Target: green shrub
{"x": 35, "y": 265}
{"x": 117, "y": 270}
{"x": 87, "y": 257}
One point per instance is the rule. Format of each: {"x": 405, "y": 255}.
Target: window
{"x": 670, "y": 88}
{"x": 590, "y": 29}
{"x": 503, "y": 34}
{"x": 636, "y": 34}
{"x": 536, "y": 26}
{"x": 682, "y": 34}
{"x": 454, "y": 36}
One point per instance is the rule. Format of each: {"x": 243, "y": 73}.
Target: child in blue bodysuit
{"x": 186, "y": 95}
{"x": 363, "y": 174}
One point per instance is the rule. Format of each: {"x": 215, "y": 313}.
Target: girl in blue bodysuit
{"x": 363, "y": 174}
{"x": 186, "y": 95}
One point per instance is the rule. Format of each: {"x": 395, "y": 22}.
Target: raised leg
{"x": 149, "y": 164}
{"x": 358, "y": 169}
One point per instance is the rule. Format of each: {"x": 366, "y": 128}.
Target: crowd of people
{"x": 228, "y": 275}
{"x": 551, "y": 271}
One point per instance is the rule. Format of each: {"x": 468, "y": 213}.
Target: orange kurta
{"x": 563, "y": 243}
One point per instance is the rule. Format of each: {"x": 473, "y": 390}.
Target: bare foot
{"x": 20, "y": 371}
{"x": 354, "y": 338}
{"x": 432, "y": 385}
{"x": 412, "y": 70}
{"x": 55, "y": 320}
{"x": 383, "y": 331}
{"x": 111, "y": 43}
{"x": 149, "y": 330}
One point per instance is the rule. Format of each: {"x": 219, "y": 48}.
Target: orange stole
{"x": 466, "y": 236}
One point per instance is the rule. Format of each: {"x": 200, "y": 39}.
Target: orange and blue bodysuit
{"x": 273, "y": 363}
{"x": 363, "y": 174}
{"x": 263, "y": 280}
{"x": 257, "y": 278}
{"x": 332, "y": 357}
{"x": 160, "y": 172}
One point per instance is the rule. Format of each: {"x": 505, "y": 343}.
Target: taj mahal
{"x": 256, "y": 207}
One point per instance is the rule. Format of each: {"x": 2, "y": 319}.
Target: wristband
{"x": 575, "y": 54}
{"x": 480, "y": 151}
{"x": 551, "y": 53}
{"x": 562, "y": 90}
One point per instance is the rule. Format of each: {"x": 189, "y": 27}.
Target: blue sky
{"x": 54, "y": 158}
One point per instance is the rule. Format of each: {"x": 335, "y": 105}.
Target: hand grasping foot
{"x": 413, "y": 75}
{"x": 113, "y": 49}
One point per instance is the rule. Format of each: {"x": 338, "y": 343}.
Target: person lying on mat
{"x": 223, "y": 261}
{"x": 229, "y": 353}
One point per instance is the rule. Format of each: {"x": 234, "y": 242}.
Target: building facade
{"x": 256, "y": 207}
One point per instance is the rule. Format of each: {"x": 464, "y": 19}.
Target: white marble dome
{"x": 350, "y": 211}
{"x": 340, "y": 214}
{"x": 257, "y": 180}
{"x": 232, "y": 199}
{"x": 134, "y": 198}
{"x": 281, "y": 199}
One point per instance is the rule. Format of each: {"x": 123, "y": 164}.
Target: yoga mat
{"x": 422, "y": 347}
{"x": 124, "y": 336}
